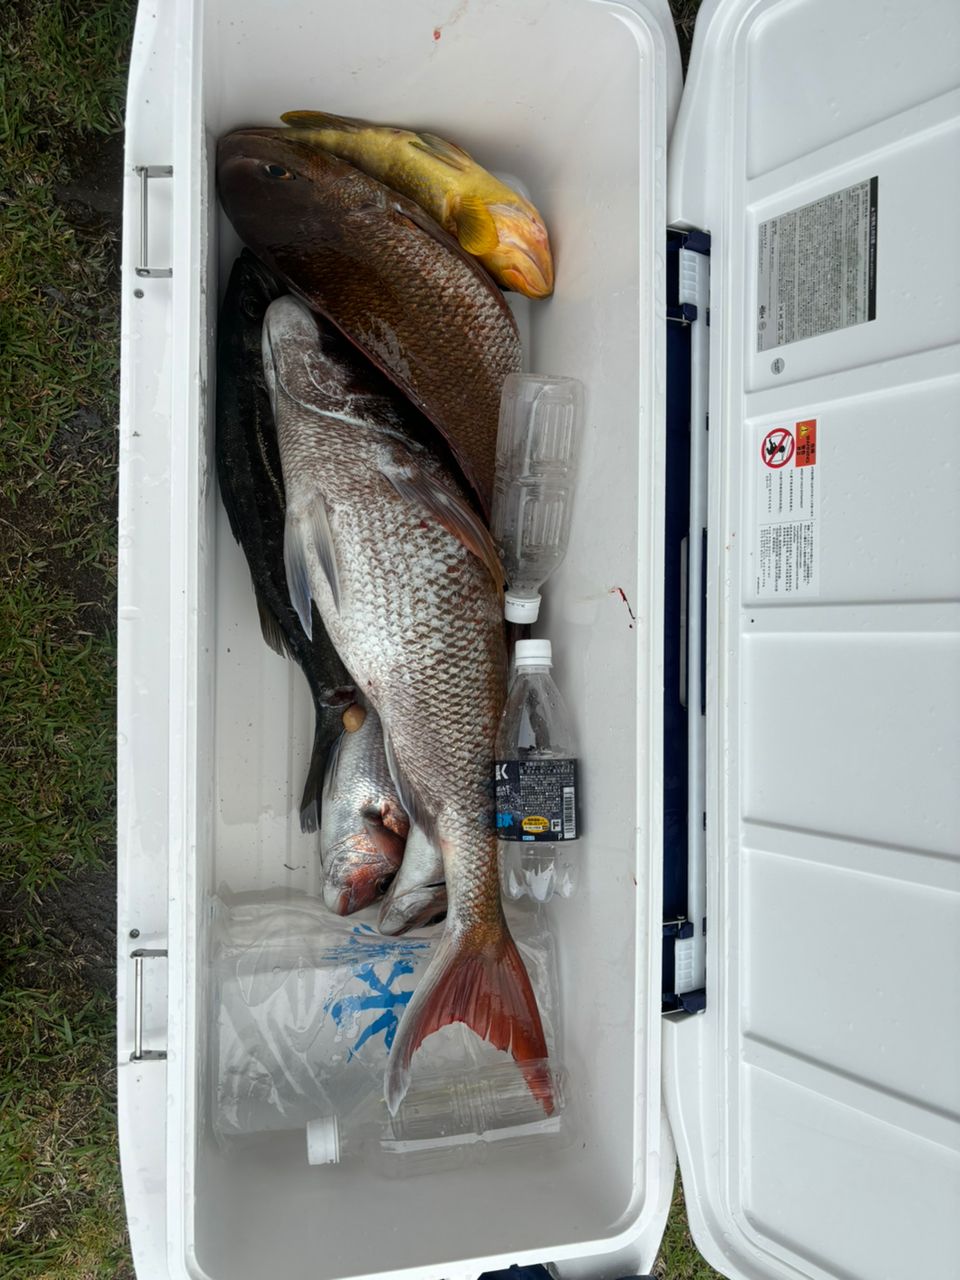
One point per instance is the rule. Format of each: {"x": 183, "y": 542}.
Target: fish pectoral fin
{"x": 385, "y": 841}
{"x": 323, "y": 120}
{"x": 330, "y": 770}
{"x": 450, "y": 511}
{"x": 302, "y": 531}
{"x": 476, "y": 228}
{"x": 271, "y": 629}
{"x": 415, "y": 809}
{"x": 442, "y": 150}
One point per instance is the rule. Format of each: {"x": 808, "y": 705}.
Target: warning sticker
{"x": 817, "y": 267}
{"x": 786, "y": 548}
{"x": 807, "y": 443}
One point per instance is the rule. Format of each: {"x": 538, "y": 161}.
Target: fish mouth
{"x": 361, "y": 870}
{"x": 526, "y": 274}
{"x": 287, "y": 321}
{"x": 364, "y": 887}
{"x": 522, "y": 260}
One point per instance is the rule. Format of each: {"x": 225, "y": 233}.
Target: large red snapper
{"x": 387, "y": 275}
{"x": 405, "y": 577}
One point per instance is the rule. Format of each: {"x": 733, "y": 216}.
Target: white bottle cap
{"x": 323, "y": 1141}
{"x": 521, "y": 608}
{"x": 533, "y": 653}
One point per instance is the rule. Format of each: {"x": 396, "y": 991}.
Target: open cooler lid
{"x": 816, "y": 1103}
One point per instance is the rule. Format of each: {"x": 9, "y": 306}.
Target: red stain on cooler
{"x": 619, "y": 591}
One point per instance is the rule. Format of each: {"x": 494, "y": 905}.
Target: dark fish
{"x": 251, "y": 485}
{"x": 387, "y": 275}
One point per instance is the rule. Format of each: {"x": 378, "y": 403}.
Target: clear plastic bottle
{"x": 444, "y": 1121}
{"x": 535, "y": 773}
{"x": 537, "y": 440}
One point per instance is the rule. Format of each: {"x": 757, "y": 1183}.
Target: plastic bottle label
{"x": 537, "y": 800}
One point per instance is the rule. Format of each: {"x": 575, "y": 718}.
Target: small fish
{"x": 490, "y": 220}
{"x": 418, "y": 895}
{"x": 251, "y": 486}
{"x": 405, "y": 576}
{"x": 387, "y": 275}
{"x": 364, "y": 827}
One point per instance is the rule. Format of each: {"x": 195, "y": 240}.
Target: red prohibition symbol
{"x": 778, "y": 447}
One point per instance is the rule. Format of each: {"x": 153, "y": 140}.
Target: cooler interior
{"x": 565, "y": 98}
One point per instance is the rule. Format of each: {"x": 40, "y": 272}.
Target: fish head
{"x": 522, "y": 259}
{"x": 319, "y": 370}
{"x": 362, "y": 866}
{"x": 414, "y": 908}
{"x": 283, "y": 193}
{"x": 289, "y": 341}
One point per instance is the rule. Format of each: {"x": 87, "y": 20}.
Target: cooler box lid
{"x": 816, "y": 1103}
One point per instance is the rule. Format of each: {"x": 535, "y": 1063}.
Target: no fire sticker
{"x": 786, "y": 552}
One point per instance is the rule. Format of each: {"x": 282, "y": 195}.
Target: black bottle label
{"x": 537, "y": 800}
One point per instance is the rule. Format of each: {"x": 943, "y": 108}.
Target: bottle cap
{"x": 533, "y": 653}
{"x": 323, "y": 1141}
{"x": 521, "y": 608}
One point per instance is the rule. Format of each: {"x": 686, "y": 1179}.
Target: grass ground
{"x": 62, "y": 76}
{"x": 61, "y": 89}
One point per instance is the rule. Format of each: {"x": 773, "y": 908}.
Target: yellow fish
{"x": 492, "y": 222}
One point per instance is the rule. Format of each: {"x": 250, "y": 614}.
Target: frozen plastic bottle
{"x": 441, "y": 1118}
{"x": 540, "y": 422}
{"x": 535, "y": 775}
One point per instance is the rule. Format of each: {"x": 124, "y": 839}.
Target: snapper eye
{"x": 278, "y": 171}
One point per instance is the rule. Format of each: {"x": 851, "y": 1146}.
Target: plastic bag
{"x": 307, "y": 1004}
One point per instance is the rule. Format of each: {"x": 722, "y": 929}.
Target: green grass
{"x": 679, "y": 1258}
{"x": 62, "y": 71}
{"x": 62, "y": 81}
{"x": 56, "y": 740}
{"x": 60, "y": 1200}
{"x": 61, "y": 85}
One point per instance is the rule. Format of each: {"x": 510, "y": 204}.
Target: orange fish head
{"x": 522, "y": 259}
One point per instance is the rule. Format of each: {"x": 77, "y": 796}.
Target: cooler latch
{"x": 684, "y": 852}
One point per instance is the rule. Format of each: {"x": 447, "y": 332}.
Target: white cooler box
{"x": 808, "y": 787}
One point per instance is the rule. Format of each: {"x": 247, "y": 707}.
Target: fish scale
{"x": 418, "y": 621}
